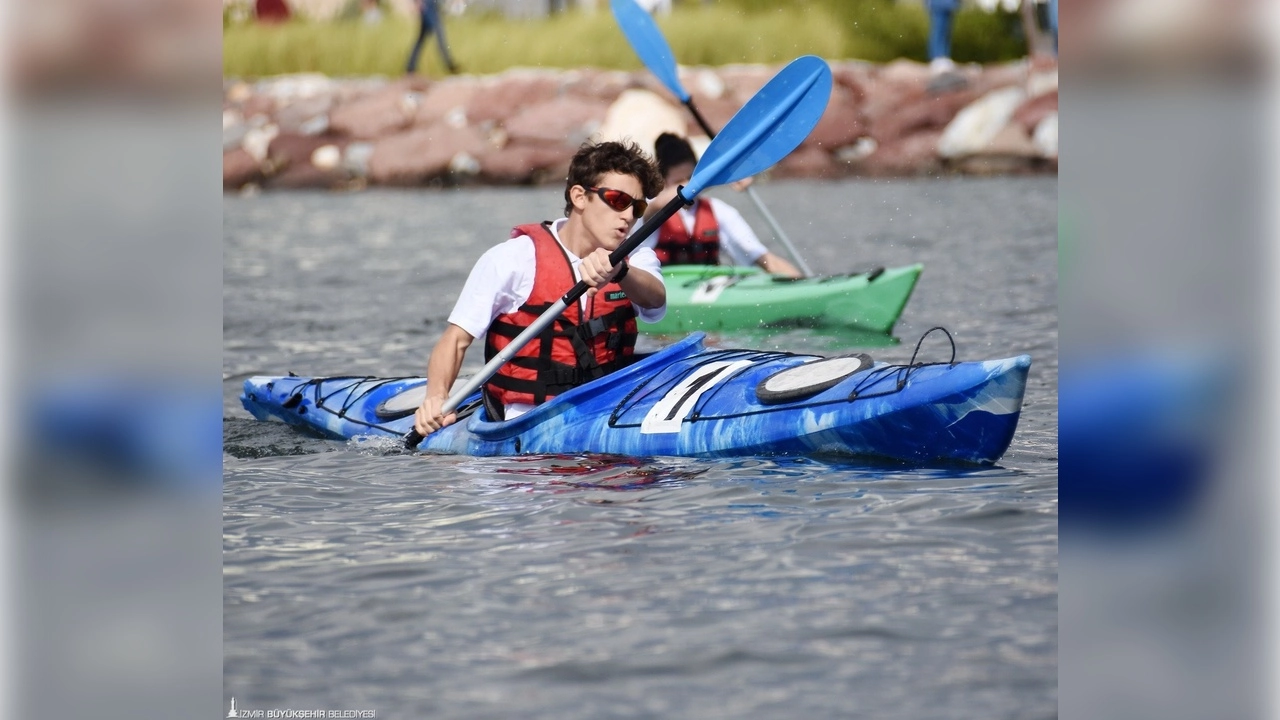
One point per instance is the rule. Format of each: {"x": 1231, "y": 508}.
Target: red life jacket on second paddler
{"x": 575, "y": 349}
{"x": 676, "y": 247}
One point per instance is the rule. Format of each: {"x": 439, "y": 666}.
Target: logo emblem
{"x": 233, "y": 713}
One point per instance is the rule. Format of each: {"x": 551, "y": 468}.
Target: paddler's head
{"x": 606, "y": 190}
{"x": 676, "y": 159}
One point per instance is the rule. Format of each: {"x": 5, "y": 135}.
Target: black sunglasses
{"x": 619, "y": 200}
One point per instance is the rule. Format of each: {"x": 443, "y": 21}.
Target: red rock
{"x": 595, "y": 84}
{"x": 883, "y": 98}
{"x": 423, "y": 153}
{"x": 854, "y": 77}
{"x": 1031, "y": 112}
{"x": 742, "y": 82}
{"x": 841, "y": 123}
{"x": 647, "y": 81}
{"x": 288, "y": 149}
{"x": 497, "y": 99}
{"x": 915, "y": 154}
{"x": 238, "y": 169}
{"x": 1010, "y": 142}
{"x": 256, "y": 105}
{"x": 296, "y": 114}
{"x": 903, "y": 72}
{"x": 443, "y": 98}
{"x": 807, "y": 162}
{"x": 923, "y": 113}
{"x": 993, "y": 77}
{"x": 565, "y": 120}
{"x": 519, "y": 164}
{"x": 299, "y": 176}
{"x": 379, "y": 113}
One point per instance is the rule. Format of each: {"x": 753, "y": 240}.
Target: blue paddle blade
{"x": 647, "y": 40}
{"x": 772, "y": 124}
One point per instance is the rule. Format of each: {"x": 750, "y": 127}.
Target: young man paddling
{"x": 702, "y": 233}
{"x": 513, "y": 283}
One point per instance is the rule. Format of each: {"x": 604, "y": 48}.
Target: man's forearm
{"x": 644, "y": 289}
{"x": 446, "y": 361}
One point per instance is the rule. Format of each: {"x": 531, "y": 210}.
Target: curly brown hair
{"x": 594, "y": 160}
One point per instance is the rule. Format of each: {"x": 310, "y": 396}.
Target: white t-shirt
{"x": 738, "y": 242}
{"x": 502, "y": 281}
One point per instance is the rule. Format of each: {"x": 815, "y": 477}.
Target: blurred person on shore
{"x": 1053, "y": 23}
{"x": 942, "y": 69}
{"x": 429, "y": 15}
{"x": 700, "y": 233}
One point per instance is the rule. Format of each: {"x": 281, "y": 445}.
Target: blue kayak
{"x": 687, "y": 400}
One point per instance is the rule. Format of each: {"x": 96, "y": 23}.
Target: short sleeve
{"x": 644, "y": 260}
{"x": 500, "y": 282}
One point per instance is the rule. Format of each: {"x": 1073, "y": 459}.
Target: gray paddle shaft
{"x": 777, "y": 230}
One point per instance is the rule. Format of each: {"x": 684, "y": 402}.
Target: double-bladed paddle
{"x": 647, "y": 40}
{"x": 772, "y": 123}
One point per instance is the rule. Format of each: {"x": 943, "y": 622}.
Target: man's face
{"x": 607, "y": 227}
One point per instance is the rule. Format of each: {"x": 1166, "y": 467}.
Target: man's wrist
{"x": 624, "y": 268}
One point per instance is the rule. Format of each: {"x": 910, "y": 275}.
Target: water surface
{"x": 357, "y": 576}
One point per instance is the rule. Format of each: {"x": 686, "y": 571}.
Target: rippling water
{"x": 357, "y": 576}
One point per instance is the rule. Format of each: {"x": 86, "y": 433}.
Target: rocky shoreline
{"x": 522, "y": 126}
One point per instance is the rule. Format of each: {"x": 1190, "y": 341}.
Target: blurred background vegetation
{"x": 700, "y": 33}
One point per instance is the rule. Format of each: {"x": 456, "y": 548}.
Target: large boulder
{"x": 422, "y": 154}
{"x": 994, "y": 77}
{"x": 604, "y": 85}
{"x": 882, "y": 96}
{"x": 561, "y": 121}
{"x": 915, "y": 154}
{"x": 305, "y": 116}
{"x": 377, "y": 114}
{"x": 1033, "y": 111}
{"x": 294, "y": 149}
{"x": 521, "y": 164}
{"x": 744, "y": 81}
{"x": 1045, "y": 137}
{"x": 978, "y": 124}
{"x": 904, "y": 72}
{"x": 853, "y": 76}
{"x": 808, "y": 162}
{"x": 641, "y": 116}
{"x": 307, "y": 176}
{"x": 496, "y": 99}
{"x": 239, "y": 168}
{"x": 841, "y": 123}
{"x": 1009, "y": 151}
{"x": 919, "y": 113}
{"x": 443, "y": 98}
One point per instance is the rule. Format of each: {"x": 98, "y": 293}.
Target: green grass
{"x": 738, "y": 31}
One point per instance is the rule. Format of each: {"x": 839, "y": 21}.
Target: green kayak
{"x": 705, "y": 297}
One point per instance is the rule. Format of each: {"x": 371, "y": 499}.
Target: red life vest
{"x": 676, "y": 247}
{"x": 575, "y": 349}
